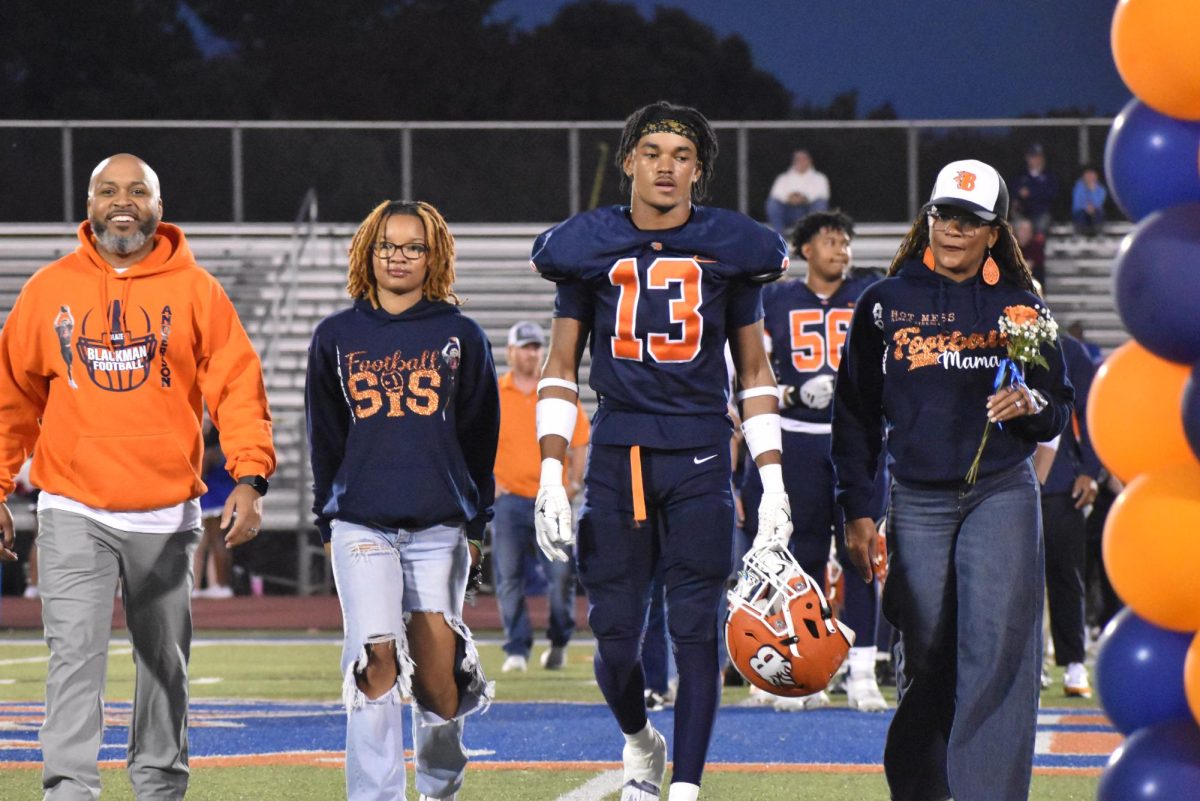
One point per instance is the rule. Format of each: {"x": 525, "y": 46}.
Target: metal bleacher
{"x": 283, "y": 281}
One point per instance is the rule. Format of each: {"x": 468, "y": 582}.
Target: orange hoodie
{"x": 102, "y": 375}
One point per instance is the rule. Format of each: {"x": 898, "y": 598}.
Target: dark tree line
{"x": 369, "y": 60}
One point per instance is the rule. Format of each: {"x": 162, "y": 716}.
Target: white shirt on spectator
{"x": 810, "y": 183}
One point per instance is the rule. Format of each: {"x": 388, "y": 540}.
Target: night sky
{"x": 930, "y": 58}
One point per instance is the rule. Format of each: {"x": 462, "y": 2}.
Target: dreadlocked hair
{"x": 814, "y": 223}
{"x": 1006, "y": 252}
{"x": 702, "y": 136}
{"x": 439, "y": 262}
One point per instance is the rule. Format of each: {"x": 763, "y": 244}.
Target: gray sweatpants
{"x": 80, "y": 563}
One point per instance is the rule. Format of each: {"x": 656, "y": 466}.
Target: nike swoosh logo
{"x": 698, "y": 460}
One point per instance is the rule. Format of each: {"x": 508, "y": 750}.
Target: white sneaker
{"x": 1075, "y": 681}
{"x": 424, "y": 797}
{"x": 515, "y": 663}
{"x": 554, "y": 657}
{"x": 645, "y": 771}
{"x": 804, "y": 703}
{"x": 759, "y": 697}
{"x": 31, "y": 591}
{"x": 220, "y": 592}
{"x": 862, "y": 693}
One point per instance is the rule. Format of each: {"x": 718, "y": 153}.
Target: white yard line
{"x": 596, "y": 788}
{"x": 31, "y": 660}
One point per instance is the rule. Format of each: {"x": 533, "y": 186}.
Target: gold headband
{"x": 668, "y": 125}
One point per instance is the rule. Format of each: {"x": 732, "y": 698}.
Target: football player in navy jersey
{"x": 806, "y": 322}
{"x": 655, "y": 289}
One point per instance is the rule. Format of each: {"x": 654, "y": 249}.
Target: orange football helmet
{"x": 781, "y": 634}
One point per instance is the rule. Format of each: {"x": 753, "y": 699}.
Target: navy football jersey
{"x": 807, "y": 333}
{"x": 660, "y": 306}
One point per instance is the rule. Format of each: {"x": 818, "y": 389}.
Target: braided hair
{"x": 667, "y": 117}
{"x": 1006, "y": 252}
{"x": 439, "y": 264}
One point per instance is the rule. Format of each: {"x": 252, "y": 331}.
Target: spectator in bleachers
{"x": 1033, "y": 248}
{"x": 115, "y": 435}
{"x": 1087, "y": 203}
{"x": 403, "y": 415}
{"x": 518, "y": 469}
{"x": 796, "y": 193}
{"x": 1034, "y": 192}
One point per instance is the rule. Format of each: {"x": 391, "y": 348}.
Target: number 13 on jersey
{"x": 681, "y": 277}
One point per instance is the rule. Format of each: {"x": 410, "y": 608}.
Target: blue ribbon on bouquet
{"x": 1018, "y": 374}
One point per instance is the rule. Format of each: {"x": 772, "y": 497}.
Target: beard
{"x": 124, "y": 245}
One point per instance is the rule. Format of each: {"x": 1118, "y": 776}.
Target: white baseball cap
{"x": 971, "y": 185}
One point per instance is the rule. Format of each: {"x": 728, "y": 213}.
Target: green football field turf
{"x": 286, "y": 670}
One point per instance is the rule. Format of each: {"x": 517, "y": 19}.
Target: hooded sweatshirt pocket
{"x": 114, "y": 470}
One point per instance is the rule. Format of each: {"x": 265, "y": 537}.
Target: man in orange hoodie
{"x": 105, "y": 361}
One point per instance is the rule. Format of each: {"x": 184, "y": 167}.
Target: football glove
{"x": 817, "y": 393}
{"x": 552, "y": 522}
{"x": 774, "y": 522}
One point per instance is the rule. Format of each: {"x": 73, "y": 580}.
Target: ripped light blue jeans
{"x": 382, "y": 578}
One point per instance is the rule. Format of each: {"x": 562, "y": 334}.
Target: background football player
{"x": 807, "y": 323}
{"x": 659, "y": 286}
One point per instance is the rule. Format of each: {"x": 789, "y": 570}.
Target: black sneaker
{"x": 654, "y": 701}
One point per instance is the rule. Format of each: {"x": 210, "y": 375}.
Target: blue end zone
{"x": 556, "y": 732}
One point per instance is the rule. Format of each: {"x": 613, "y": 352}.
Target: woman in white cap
{"x": 964, "y": 585}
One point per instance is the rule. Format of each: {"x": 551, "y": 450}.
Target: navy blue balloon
{"x": 1191, "y": 410}
{"x": 1139, "y": 673}
{"x": 1152, "y": 161}
{"x": 1156, "y": 764}
{"x": 1156, "y": 280}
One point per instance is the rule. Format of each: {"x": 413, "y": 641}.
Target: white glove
{"x": 774, "y": 522}
{"x": 817, "y": 393}
{"x": 552, "y": 514}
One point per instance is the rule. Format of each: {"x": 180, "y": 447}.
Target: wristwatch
{"x": 258, "y": 483}
{"x": 1039, "y": 401}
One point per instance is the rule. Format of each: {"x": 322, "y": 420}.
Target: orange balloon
{"x": 1135, "y": 412}
{"x": 1152, "y": 547}
{"x": 1154, "y": 44}
{"x": 1191, "y": 677}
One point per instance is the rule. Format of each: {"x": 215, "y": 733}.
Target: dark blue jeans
{"x": 512, "y": 539}
{"x": 782, "y": 216}
{"x": 964, "y": 589}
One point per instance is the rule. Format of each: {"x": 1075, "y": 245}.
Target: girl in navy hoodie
{"x": 403, "y": 416}
{"x": 965, "y": 575}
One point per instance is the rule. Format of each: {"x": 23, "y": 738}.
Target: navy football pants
{"x": 688, "y": 530}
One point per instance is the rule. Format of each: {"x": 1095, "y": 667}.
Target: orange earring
{"x": 991, "y": 271}
{"x": 927, "y": 259}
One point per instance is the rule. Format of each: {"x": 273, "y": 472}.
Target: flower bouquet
{"x": 1024, "y": 330}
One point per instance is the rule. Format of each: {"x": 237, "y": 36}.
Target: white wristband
{"x": 556, "y": 416}
{"x": 754, "y": 392}
{"x": 772, "y": 477}
{"x": 552, "y": 470}
{"x": 562, "y": 383}
{"x": 762, "y": 434}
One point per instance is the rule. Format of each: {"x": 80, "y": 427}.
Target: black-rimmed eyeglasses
{"x": 967, "y": 222}
{"x": 411, "y": 250}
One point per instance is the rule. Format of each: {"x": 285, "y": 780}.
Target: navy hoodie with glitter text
{"x": 403, "y": 416}
{"x": 921, "y": 360}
